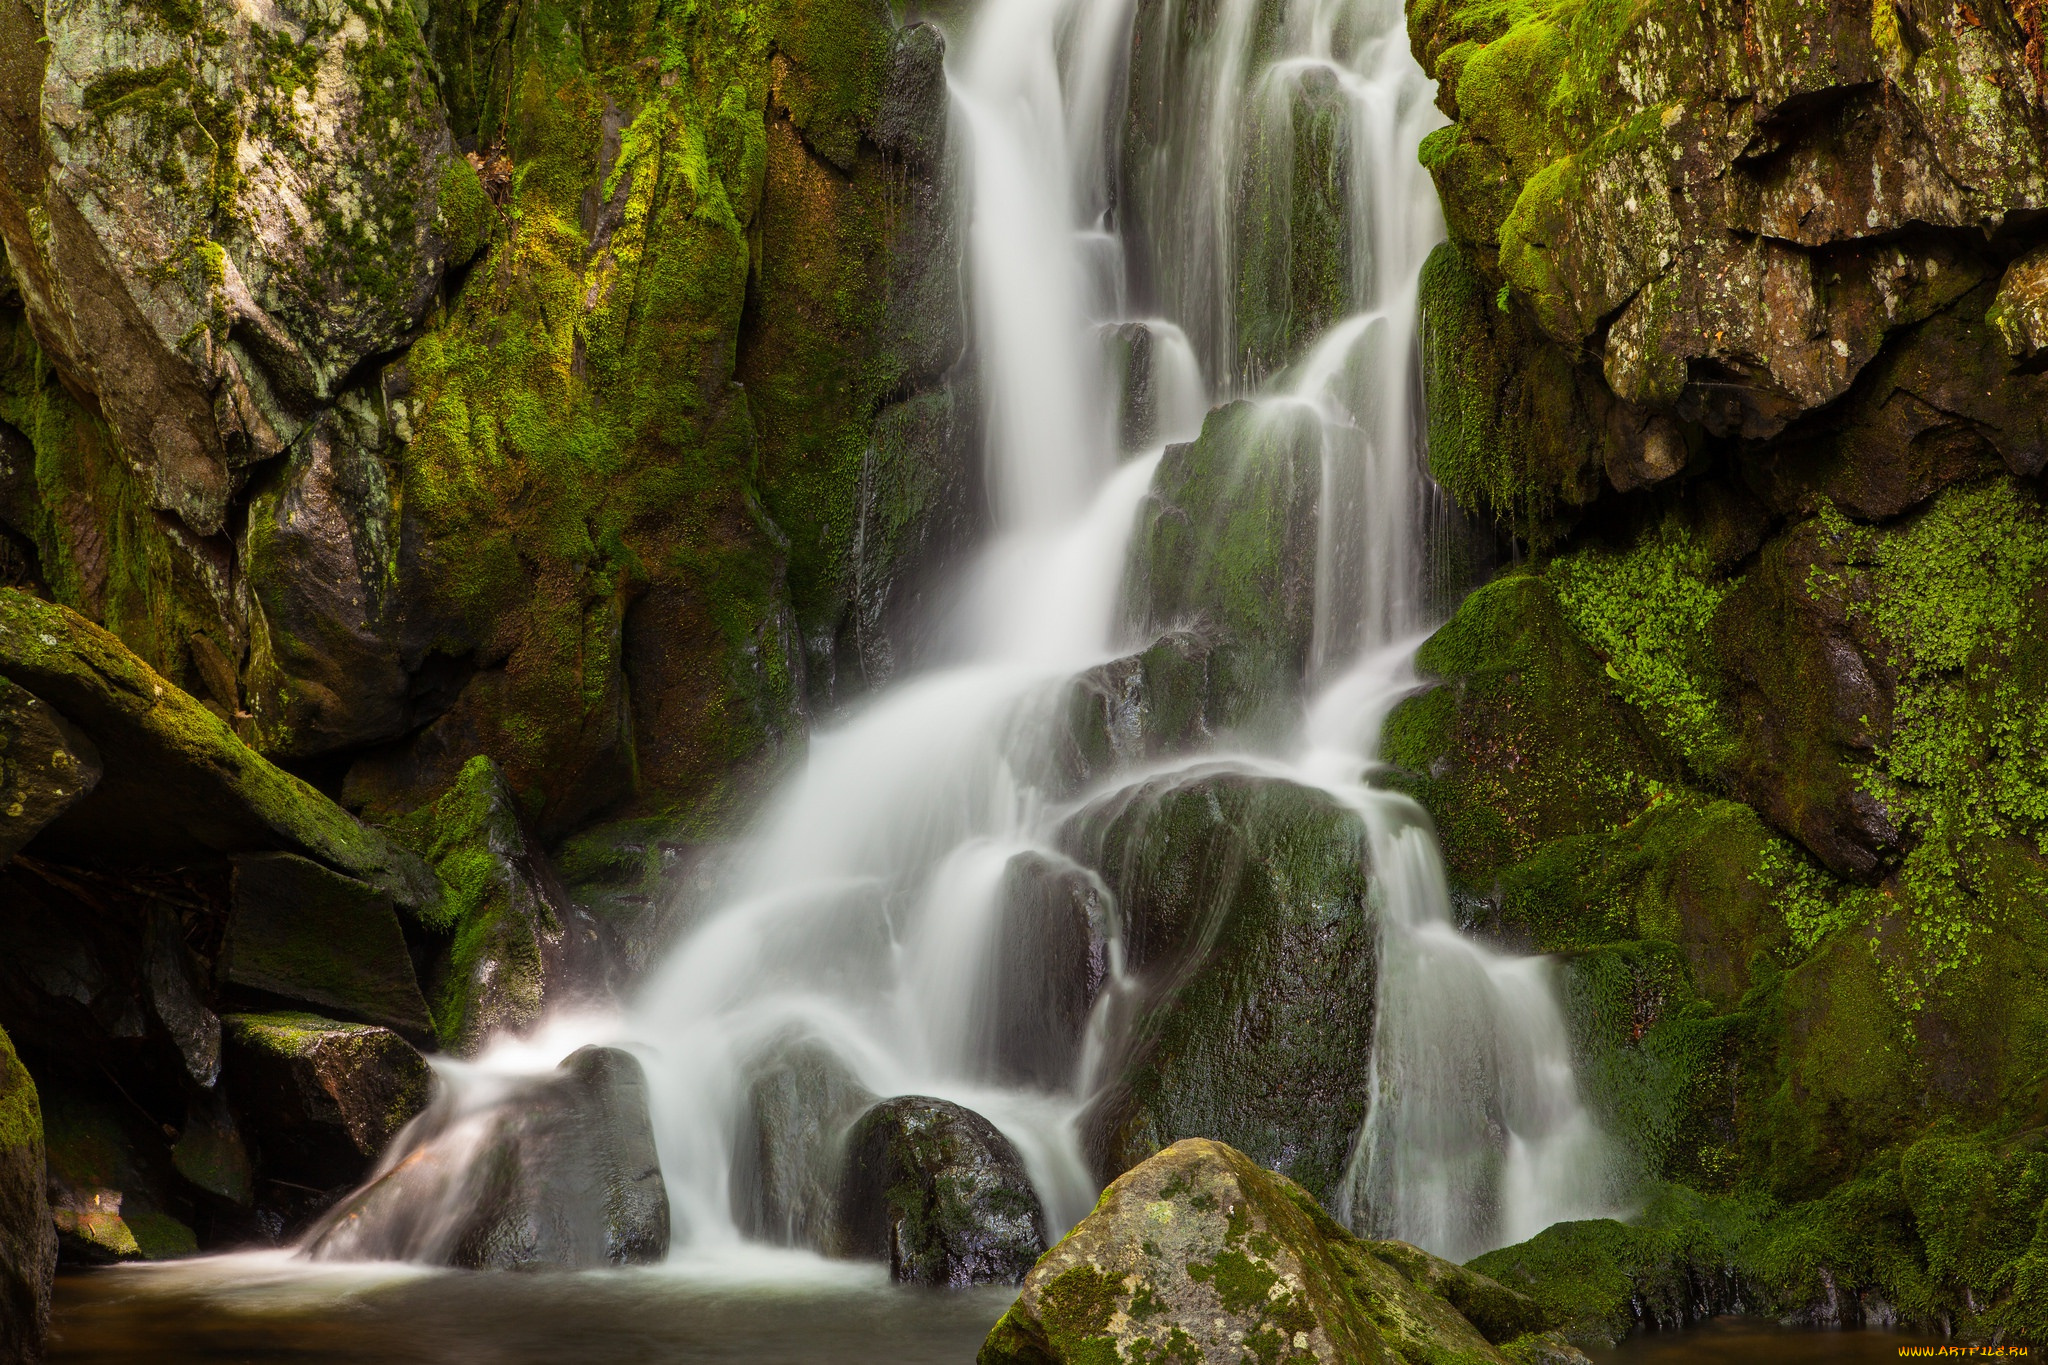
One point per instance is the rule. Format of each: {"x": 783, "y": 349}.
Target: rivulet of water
{"x": 1136, "y": 168}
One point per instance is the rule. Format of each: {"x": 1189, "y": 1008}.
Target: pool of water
{"x": 1723, "y": 1341}
{"x": 264, "y": 1308}
{"x": 762, "y": 1308}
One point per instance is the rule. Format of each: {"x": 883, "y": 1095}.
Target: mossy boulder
{"x": 46, "y": 766}
{"x": 321, "y": 1098}
{"x": 28, "y": 1239}
{"x": 1247, "y": 928}
{"x": 1226, "y": 547}
{"x": 301, "y": 933}
{"x": 1167, "y": 699}
{"x": 178, "y": 784}
{"x": 936, "y": 1191}
{"x": 1197, "y": 1254}
{"x": 112, "y": 1192}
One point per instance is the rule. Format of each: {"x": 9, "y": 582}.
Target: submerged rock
{"x": 28, "y": 1238}
{"x": 1198, "y": 1255}
{"x": 322, "y": 1097}
{"x": 1248, "y": 933}
{"x": 936, "y": 1191}
{"x": 46, "y": 766}
{"x": 570, "y": 1176}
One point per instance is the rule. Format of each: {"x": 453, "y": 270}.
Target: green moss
{"x": 21, "y": 1112}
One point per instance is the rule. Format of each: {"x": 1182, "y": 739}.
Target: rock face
{"x": 1246, "y": 928}
{"x": 1199, "y": 1255}
{"x": 571, "y": 1178}
{"x": 28, "y": 1239}
{"x": 936, "y": 1191}
{"x": 46, "y": 766}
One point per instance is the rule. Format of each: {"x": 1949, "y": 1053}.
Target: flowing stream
{"x": 1129, "y": 176}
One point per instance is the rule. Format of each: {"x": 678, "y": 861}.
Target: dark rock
{"x": 1247, "y": 929}
{"x": 110, "y": 1180}
{"x": 1197, "y": 1254}
{"x": 936, "y": 1191}
{"x": 1294, "y": 248}
{"x": 46, "y": 766}
{"x": 175, "y": 997}
{"x": 792, "y": 1144}
{"x": 321, "y": 1098}
{"x": 210, "y": 1152}
{"x": 301, "y": 933}
{"x": 1167, "y": 699}
{"x": 570, "y": 1175}
{"x": 28, "y": 1238}
{"x": 178, "y": 785}
{"x": 1043, "y": 971}
{"x": 1226, "y": 547}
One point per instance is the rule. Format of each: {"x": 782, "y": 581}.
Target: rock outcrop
{"x": 1199, "y": 1255}
{"x": 28, "y": 1237}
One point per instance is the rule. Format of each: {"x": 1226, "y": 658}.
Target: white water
{"x": 866, "y": 906}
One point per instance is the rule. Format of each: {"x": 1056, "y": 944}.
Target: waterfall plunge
{"x": 864, "y": 913}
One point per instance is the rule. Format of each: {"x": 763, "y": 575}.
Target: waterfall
{"x": 1137, "y": 174}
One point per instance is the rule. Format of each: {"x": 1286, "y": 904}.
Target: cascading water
{"x": 1126, "y": 160}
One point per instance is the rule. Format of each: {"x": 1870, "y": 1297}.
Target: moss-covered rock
{"x": 177, "y": 781}
{"x": 1226, "y": 547}
{"x": 321, "y": 1098}
{"x": 1199, "y": 1255}
{"x": 300, "y": 933}
{"x": 936, "y": 1191}
{"x": 28, "y": 1239}
{"x": 1245, "y": 922}
{"x": 112, "y": 1194}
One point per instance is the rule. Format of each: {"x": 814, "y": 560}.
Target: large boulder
{"x": 1199, "y": 1255}
{"x": 1045, "y": 966}
{"x": 1247, "y": 927}
{"x": 322, "y": 1097}
{"x": 113, "y": 1195}
{"x": 791, "y": 1144}
{"x": 178, "y": 785}
{"x": 938, "y": 1193}
{"x": 28, "y": 1239}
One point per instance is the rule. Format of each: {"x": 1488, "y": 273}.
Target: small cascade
{"x": 1195, "y": 229}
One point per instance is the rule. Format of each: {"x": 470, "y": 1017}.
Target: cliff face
{"x": 1738, "y": 334}
{"x": 496, "y": 380}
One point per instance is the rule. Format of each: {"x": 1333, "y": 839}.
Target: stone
{"x": 1247, "y": 933}
{"x": 209, "y": 308}
{"x": 301, "y": 933}
{"x": 321, "y": 1097}
{"x": 570, "y": 1175}
{"x": 1225, "y": 547}
{"x": 28, "y": 1237}
{"x": 2020, "y": 311}
{"x": 1043, "y": 972}
{"x": 1166, "y": 699}
{"x": 178, "y": 785}
{"x": 792, "y": 1143}
{"x": 938, "y": 1193}
{"x": 111, "y": 1189}
{"x": 1199, "y": 1255}
{"x": 172, "y": 985}
{"x": 210, "y": 1152}
{"x": 46, "y": 767}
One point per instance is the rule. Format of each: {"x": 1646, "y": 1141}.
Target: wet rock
{"x": 519, "y": 944}
{"x": 174, "y": 994}
{"x": 792, "y": 1144}
{"x": 1167, "y": 699}
{"x": 301, "y": 933}
{"x": 2020, "y": 311}
{"x": 210, "y": 1152}
{"x": 1247, "y": 930}
{"x": 1043, "y": 971}
{"x": 46, "y": 766}
{"x": 1226, "y": 548}
{"x": 28, "y": 1237}
{"x": 178, "y": 785}
{"x": 210, "y": 305}
{"x": 320, "y": 1097}
{"x": 111, "y": 1188}
{"x": 570, "y": 1176}
{"x": 936, "y": 1191}
{"x": 1294, "y": 233}
{"x": 1199, "y": 1255}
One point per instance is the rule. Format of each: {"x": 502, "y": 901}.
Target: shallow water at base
{"x": 1724, "y": 1341}
{"x": 397, "y": 1315}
